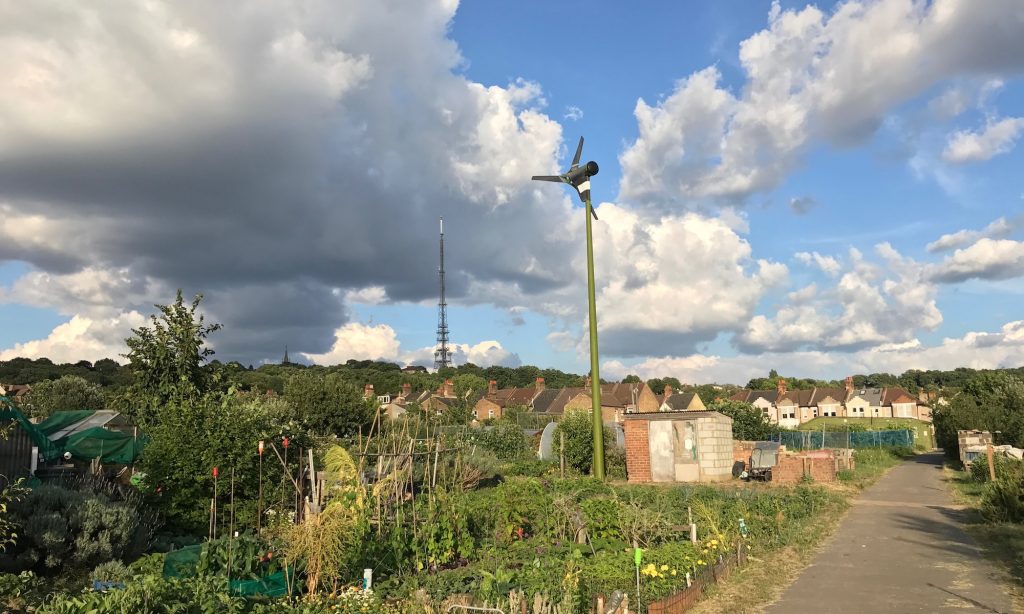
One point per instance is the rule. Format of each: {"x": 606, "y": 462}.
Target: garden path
{"x": 901, "y": 548}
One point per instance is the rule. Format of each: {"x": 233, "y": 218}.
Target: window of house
{"x": 814, "y": 412}
{"x": 490, "y": 413}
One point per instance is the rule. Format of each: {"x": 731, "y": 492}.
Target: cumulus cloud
{"x": 573, "y": 113}
{"x": 997, "y": 229}
{"x": 870, "y": 304}
{"x": 255, "y": 156}
{"x": 985, "y": 259}
{"x": 828, "y": 264}
{"x": 997, "y": 137}
{"x": 81, "y": 338}
{"x": 810, "y": 76}
{"x": 976, "y": 350}
{"x": 482, "y": 354}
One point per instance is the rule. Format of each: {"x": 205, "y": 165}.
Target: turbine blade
{"x": 553, "y": 178}
{"x": 593, "y": 213}
{"x": 579, "y": 152}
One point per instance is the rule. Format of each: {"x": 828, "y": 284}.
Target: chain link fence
{"x": 816, "y": 440}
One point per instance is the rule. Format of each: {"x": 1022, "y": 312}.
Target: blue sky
{"x": 767, "y": 210}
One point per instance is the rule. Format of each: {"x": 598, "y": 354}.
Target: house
{"x": 15, "y": 392}
{"x": 495, "y": 402}
{"x": 617, "y": 400}
{"x": 790, "y": 409}
{"x": 678, "y": 446}
{"x": 681, "y": 401}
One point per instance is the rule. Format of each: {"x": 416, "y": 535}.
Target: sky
{"x": 821, "y": 189}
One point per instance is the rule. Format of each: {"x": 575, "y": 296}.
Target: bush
{"x": 68, "y": 392}
{"x": 531, "y": 468}
{"x": 507, "y": 440}
{"x": 1004, "y": 467}
{"x": 63, "y": 529}
{"x": 578, "y": 428}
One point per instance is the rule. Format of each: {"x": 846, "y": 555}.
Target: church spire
{"x": 286, "y": 361}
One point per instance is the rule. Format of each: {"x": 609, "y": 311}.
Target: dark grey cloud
{"x": 802, "y": 205}
{"x": 275, "y": 158}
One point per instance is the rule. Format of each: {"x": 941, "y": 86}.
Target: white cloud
{"x": 356, "y": 341}
{"x": 810, "y": 76}
{"x": 997, "y": 229}
{"x": 828, "y": 264}
{"x": 573, "y": 113}
{"x": 997, "y": 137}
{"x": 81, "y": 338}
{"x": 871, "y": 304}
{"x": 976, "y": 350}
{"x": 985, "y": 259}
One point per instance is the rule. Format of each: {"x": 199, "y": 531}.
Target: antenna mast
{"x": 442, "y": 355}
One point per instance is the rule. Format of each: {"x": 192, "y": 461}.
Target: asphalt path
{"x": 901, "y": 548}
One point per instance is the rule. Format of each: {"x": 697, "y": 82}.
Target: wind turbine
{"x": 579, "y": 178}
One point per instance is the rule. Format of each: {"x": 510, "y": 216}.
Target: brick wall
{"x": 741, "y": 451}
{"x": 792, "y": 468}
{"x": 638, "y": 455}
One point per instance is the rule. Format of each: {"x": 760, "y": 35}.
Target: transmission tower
{"x": 442, "y": 355}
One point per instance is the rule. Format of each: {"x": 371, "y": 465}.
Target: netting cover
{"x": 63, "y": 419}
{"x": 182, "y": 563}
{"x": 108, "y": 446}
{"x": 46, "y": 447}
{"x": 815, "y": 440}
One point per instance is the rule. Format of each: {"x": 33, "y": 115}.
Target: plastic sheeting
{"x": 60, "y": 420}
{"x": 108, "y": 446}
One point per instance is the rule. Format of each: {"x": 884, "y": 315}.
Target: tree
{"x": 328, "y": 404}
{"x": 748, "y": 422}
{"x": 631, "y": 379}
{"x": 467, "y": 382}
{"x": 68, "y": 392}
{"x": 168, "y": 357}
{"x": 578, "y": 428}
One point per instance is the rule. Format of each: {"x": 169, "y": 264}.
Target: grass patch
{"x": 922, "y": 430}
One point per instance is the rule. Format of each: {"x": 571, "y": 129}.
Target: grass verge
{"x": 765, "y": 576}
{"x": 1002, "y": 542}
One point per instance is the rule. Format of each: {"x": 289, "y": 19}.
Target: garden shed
{"x": 678, "y": 446}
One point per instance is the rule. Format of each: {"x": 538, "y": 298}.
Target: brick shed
{"x": 678, "y": 446}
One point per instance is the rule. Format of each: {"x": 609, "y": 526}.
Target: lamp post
{"x": 579, "y": 178}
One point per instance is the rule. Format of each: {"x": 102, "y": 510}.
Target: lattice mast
{"x": 442, "y": 355}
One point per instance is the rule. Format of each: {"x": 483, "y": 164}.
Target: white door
{"x": 662, "y": 459}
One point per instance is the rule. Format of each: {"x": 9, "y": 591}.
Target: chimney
{"x": 492, "y": 387}
{"x": 539, "y": 385}
{"x": 406, "y": 389}
{"x": 782, "y": 387}
{"x": 449, "y": 389}
{"x": 668, "y": 391}
{"x": 849, "y": 383}
{"x": 368, "y": 391}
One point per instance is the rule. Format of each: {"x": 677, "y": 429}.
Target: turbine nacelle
{"x": 577, "y": 176}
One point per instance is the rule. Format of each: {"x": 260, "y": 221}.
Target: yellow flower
{"x": 664, "y": 567}
{"x": 673, "y": 572}
{"x": 700, "y": 561}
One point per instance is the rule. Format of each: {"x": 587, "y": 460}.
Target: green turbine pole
{"x": 579, "y": 178}
{"x": 595, "y": 377}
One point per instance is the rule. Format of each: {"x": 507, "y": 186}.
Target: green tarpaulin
{"x": 63, "y": 419}
{"x": 47, "y": 450}
{"x": 182, "y": 563}
{"x": 108, "y": 446}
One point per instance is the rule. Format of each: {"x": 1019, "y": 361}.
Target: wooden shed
{"x": 678, "y": 446}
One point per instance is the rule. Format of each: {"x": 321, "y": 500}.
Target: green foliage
{"x": 60, "y": 529}
{"x": 748, "y": 422}
{"x": 988, "y": 401}
{"x": 530, "y": 468}
{"x": 578, "y": 428}
{"x": 167, "y": 357}
{"x": 68, "y": 392}
{"x": 506, "y": 439}
{"x": 328, "y": 404}
{"x": 602, "y": 518}
{"x": 151, "y": 594}
{"x": 191, "y": 436}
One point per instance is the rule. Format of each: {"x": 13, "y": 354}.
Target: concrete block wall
{"x": 638, "y": 454}
{"x": 714, "y": 448}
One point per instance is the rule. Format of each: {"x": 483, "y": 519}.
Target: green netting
{"x": 63, "y": 419}
{"x": 815, "y": 440}
{"x": 274, "y": 585}
{"x": 182, "y": 563}
{"x": 47, "y": 449}
{"x": 108, "y": 446}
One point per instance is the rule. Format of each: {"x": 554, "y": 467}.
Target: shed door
{"x": 662, "y": 458}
